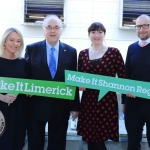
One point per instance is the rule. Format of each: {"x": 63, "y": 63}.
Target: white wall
{"x": 79, "y": 14}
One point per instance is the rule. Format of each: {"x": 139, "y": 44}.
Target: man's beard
{"x": 143, "y": 38}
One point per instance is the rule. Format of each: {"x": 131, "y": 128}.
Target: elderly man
{"x": 48, "y": 60}
{"x": 137, "y": 110}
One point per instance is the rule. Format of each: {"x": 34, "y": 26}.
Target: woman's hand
{"x": 82, "y": 88}
{"x": 8, "y": 98}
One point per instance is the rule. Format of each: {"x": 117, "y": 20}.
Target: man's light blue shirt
{"x": 56, "y": 52}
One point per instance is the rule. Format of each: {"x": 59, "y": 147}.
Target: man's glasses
{"x": 56, "y": 28}
{"x": 144, "y": 26}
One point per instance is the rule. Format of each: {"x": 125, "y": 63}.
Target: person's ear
{"x": 4, "y": 44}
{"x": 104, "y": 35}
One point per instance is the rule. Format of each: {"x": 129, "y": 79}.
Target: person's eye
{"x": 93, "y": 32}
{"x": 48, "y": 27}
{"x": 138, "y": 26}
{"x": 19, "y": 41}
{"x": 145, "y": 25}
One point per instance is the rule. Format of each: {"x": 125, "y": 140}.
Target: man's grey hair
{"x": 52, "y": 17}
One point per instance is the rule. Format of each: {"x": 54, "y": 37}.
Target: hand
{"x": 8, "y": 98}
{"x": 123, "y": 108}
{"x": 28, "y": 95}
{"x": 82, "y": 88}
{"x": 130, "y": 95}
{"x": 74, "y": 114}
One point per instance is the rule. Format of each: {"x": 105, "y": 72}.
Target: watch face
{"x": 2, "y": 123}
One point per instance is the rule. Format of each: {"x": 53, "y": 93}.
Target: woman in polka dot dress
{"x": 98, "y": 121}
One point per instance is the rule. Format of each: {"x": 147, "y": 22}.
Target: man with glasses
{"x": 48, "y": 60}
{"x": 137, "y": 110}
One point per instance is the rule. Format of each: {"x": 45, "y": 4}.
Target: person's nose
{"x": 52, "y": 30}
{"x": 97, "y": 34}
{"x": 15, "y": 43}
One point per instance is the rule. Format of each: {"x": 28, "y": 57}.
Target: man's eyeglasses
{"x": 144, "y": 26}
{"x": 56, "y": 28}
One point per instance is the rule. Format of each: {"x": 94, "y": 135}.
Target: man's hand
{"x": 74, "y": 114}
{"x": 130, "y": 95}
{"x": 28, "y": 95}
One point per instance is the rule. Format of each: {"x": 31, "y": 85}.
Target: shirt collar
{"x": 148, "y": 41}
{"x": 56, "y": 46}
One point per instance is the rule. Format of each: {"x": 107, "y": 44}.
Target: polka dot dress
{"x": 98, "y": 121}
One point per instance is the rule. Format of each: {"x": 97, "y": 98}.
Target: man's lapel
{"x": 62, "y": 55}
{"x": 44, "y": 59}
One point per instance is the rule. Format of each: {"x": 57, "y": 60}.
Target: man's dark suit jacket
{"x": 43, "y": 108}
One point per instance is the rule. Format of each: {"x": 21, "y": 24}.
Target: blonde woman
{"x": 13, "y": 66}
